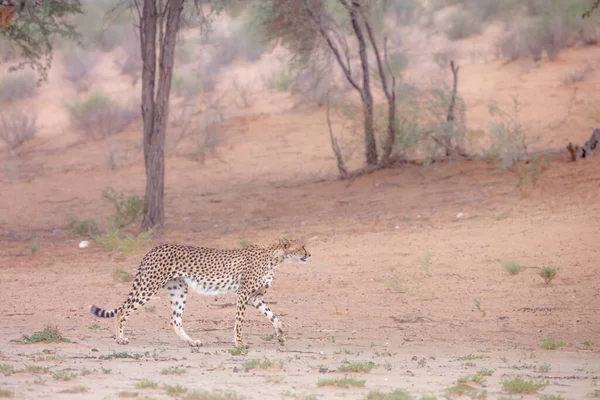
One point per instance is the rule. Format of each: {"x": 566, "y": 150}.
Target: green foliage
{"x": 238, "y": 351}
{"x": 344, "y": 382}
{"x": 280, "y": 80}
{"x": 173, "y": 371}
{"x": 122, "y": 354}
{"x": 17, "y": 126}
{"x": 126, "y": 210}
{"x": 85, "y": 227}
{"x": 511, "y": 266}
{"x": 356, "y": 367}
{"x": 204, "y": 395}
{"x": 120, "y": 275}
{"x": 548, "y": 274}
{"x": 393, "y": 395}
{"x": 7, "y": 369}
{"x": 35, "y": 30}
{"x": 522, "y": 386}
{"x": 98, "y": 116}
{"x": 50, "y": 335}
{"x": 145, "y": 383}
{"x": 551, "y": 344}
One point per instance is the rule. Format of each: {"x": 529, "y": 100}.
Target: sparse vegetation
{"x": 64, "y": 375}
{"x": 356, "y": 367}
{"x": 552, "y": 397}
{"x": 98, "y": 116}
{"x": 173, "y": 371}
{"x": 393, "y": 395}
{"x": 548, "y": 274}
{"x": 345, "y": 382}
{"x": 175, "y": 390}
{"x": 470, "y": 357}
{"x": 238, "y": 351}
{"x": 551, "y": 344}
{"x": 204, "y": 395}
{"x": 7, "y": 369}
{"x": 78, "y": 65}
{"x": 17, "y": 126}
{"x": 49, "y": 334}
{"x": 127, "y": 394}
{"x": 511, "y": 266}
{"x": 262, "y": 364}
{"x": 6, "y": 393}
{"x": 76, "y": 390}
{"x": 145, "y": 383}
{"x": 86, "y": 227}
{"x": 462, "y": 24}
{"x": 122, "y": 354}
{"x": 519, "y": 385}
{"x": 594, "y": 395}
{"x": 94, "y": 327}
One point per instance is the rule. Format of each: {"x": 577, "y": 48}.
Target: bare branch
{"x": 334, "y": 144}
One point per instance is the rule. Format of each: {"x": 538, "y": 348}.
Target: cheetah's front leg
{"x": 240, "y": 311}
{"x": 257, "y": 302}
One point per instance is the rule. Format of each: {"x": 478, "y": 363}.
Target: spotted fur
{"x": 248, "y": 272}
{"x": 589, "y": 149}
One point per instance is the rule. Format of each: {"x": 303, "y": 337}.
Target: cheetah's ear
{"x": 285, "y": 243}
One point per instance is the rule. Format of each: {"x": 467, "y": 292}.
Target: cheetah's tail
{"x": 102, "y": 313}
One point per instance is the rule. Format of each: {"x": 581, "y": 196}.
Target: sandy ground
{"x": 405, "y": 272}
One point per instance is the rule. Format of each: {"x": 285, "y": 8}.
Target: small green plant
{"x": 122, "y": 354}
{"x": 120, "y": 275}
{"x": 481, "y": 310}
{"x": 126, "y": 210}
{"x": 150, "y": 308}
{"x": 94, "y": 327}
{"x": 425, "y": 263}
{"x": 551, "y": 344}
{"x": 173, "y": 371}
{"x": 393, "y": 395}
{"x": 511, "y": 266}
{"x": 356, "y": 367}
{"x": 545, "y": 367}
{"x": 64, "y": 375}
{"x": 6, "y": 369}
{"x": 105, "y": 371}
{"x": 485, "y": 372}
{"x": 244, "y": 243}
{"x": 76, "y": 390}
{"x": 85, "y": 227}
{"x": 267, "y": 338}
{"x": 522, "y": 386}
{"x": 470, "y": 357}
{"x": 238, "y": 351}
{"x": 475, "y": 378}
{"x": 47, "y": 335}
{"x": 6, "y": 393}
{"x": 175, "y": 390}
{"x": 594, "y": 395}
{"x": 34, "y": 246}
{"x": 145, "y": 383}
{"x": 280, "y": 80}
{"x": 548, "y": 274}
{"x": 552, "y": 397}
{"x": 345, "y": 382}
{"x": 251, "y": 364}
{"x": 37, "y": 369}
{"x": 98, "y": 116}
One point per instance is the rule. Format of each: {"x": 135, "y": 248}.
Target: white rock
{"x": 83, "y": 244}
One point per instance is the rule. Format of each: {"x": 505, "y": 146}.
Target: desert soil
{"x": 405, "y": 270}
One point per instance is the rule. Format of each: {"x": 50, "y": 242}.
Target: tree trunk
{"x": 155, "y": 106}
{"x": 366, "y": 96}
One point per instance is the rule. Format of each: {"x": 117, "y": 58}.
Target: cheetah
{"x": 248, "y": 272}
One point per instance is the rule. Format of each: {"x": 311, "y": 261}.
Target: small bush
{"x": 462, "y": 24}
{"x": 280, "y": 80}
{"x": 98, "y": 116}
{"x": 511, "y": 266}
{"x": 120, "y": 275}
{"x": 345, "y": 382}
{"x": 393, "y": 395}
{"x": 522, "y": 386}
{"x": 78, "y": 66}
{"x": 86, "y": 227}
{"x": 579, "y": 75}
{"x": 356, "y": 367}
{"x": 126, "y": 210}
{"x": 50, "y": 335}
{"x": 18, "y": 85}
{"x": 131, "y": 62}
{"x": 551, "y": 344}
{"x": 188, "y": 86}
{"x": 548, "y": 274}
{"x": 17, "y": 127}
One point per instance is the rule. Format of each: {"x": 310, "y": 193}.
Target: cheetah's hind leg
{"x": 178, "y": 289}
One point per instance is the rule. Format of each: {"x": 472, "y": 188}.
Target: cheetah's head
{"x": 294, "y": 250}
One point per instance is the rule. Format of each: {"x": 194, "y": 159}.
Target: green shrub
{"x": 99, "y": 116}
